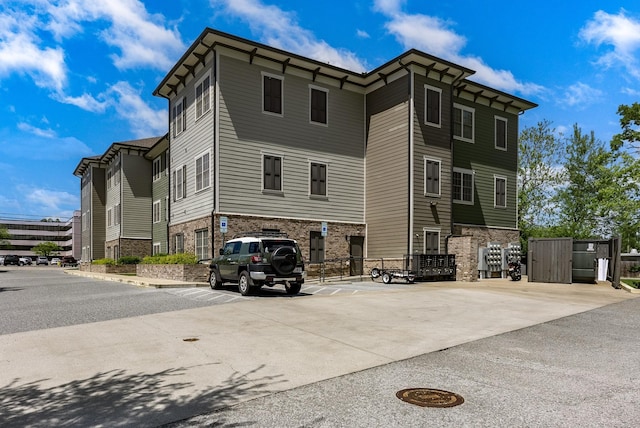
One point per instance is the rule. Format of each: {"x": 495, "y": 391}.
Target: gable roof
{"x": 433, "y": 66}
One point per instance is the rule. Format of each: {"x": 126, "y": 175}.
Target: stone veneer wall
{"x": 466, "y": 250}
{"x": 466, "y": 241}
{"x": 117, "y": 269}
{"x": 335, "y": 243}
{"x": 188, "y": 231}
{"x": 188, "y": 273}
{"x": 129, "y": 247}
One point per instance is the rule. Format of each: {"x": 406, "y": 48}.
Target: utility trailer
{"x": 423, "y": 267}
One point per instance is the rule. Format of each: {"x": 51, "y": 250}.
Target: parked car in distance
{"x": 11, "y": 259}
{"x": 25, "y": 261}
{"x": 55, "y": 261}
{"x": 1, "y": 260}
{"x": 42, "y": 260}
{"x": 68, "y": 261}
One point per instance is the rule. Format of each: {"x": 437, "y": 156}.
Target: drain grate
{"x": 427, "y": 397}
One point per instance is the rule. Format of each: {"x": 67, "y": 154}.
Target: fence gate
{"x": 550, "y": 260}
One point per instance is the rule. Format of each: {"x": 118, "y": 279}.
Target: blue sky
{"x": 78, "y": 75}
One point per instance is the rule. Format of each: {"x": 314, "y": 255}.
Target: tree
{"x": 539, "y": 173}
{"x": 46, "y": 249}
{"x": 630, "y": 124}
{"x": 4, "y": 238}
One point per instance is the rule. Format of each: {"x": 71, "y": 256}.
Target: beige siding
{"x": 136, "y": 197}
{"x": 196, "y": 139}
{"x": 246, "y": 133}
{"x": 387, "y": 173}
{"x": 435, "y": 143}
{"x": 97, "y": 221}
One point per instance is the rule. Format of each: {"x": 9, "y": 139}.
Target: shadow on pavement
{"x": 117, "y": 398}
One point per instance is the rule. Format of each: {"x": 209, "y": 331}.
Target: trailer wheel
{"x": 386, "y": 277}
{"x": 375, "y": 273}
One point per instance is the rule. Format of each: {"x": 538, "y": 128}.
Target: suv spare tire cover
{"x": 284, "y": 260}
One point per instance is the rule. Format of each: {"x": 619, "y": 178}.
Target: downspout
{"x": 411, "y": 166}
{"x": 451, "y": 170}
{"x": 215, "y": 151}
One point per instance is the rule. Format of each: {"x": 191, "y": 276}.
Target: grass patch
{"x": 635, "y": 283}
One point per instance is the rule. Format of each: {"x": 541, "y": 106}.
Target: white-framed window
{"x": 116, "y": 170}
{"x": 109, "y": 175}
{"x": 178, "y": 243}
{"x": 272, "y": 96}
{"x": 179, "y": 116}
{"x": 431, "y": 240}
{"x": 203, "y": 171}
{"x": 157, "y": 209}
{"x": 463, "y": 123}
{"x": 203, "y": 96}
{"x": 462, "y": 186}
{"x": 109, "y": 217}
{"x": 202, "y": 244}
{"x": 501, "y": 133}
{"x": 432, "y": 176}
{"x": 318, "y": 178}
{"x": 116, "y": 214}
{"x": 157, "y": 168}
{"x": 318, "y": 105}
{"x": 500, "y": 191}
{"x": 271, "y": 172}
{"x": 166, "y": 208}
{"x": 179, "y": 183}
{"x": 432, "y": 106}
{"x": 157, "y": 249}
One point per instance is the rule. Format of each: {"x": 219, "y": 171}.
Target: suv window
{"x": 271, "y": 245}
{"x": 254, "y": 247}
{"x": 232, "y": 248}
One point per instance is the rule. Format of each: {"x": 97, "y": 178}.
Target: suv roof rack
{"x": 261, "y": 234}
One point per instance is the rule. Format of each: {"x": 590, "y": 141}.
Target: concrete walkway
{"x": 155, "y": 369}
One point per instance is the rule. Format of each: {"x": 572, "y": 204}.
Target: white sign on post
{"x": 223, "y": 224}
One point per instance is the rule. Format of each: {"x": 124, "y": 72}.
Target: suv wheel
{"x": 214, "y": 280}
{"x": 244, "y": 283}
{"x": 292, "y": 287}
{"x": 284, "y": 260}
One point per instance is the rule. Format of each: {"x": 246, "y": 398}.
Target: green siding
{"x": 160, "y": 189}
{"x": 435, "y": 143}
{"x": 486, "y": 161}
{"x": 136, "y": 197}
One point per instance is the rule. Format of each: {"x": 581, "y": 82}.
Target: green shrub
{"x": 171, "y": 259}
{"x": 635, "y": 268}
{"x": 129, "y": 260}
{"x": 105, "y": 261}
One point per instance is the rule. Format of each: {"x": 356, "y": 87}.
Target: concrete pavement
{"x": 155, "y": 369}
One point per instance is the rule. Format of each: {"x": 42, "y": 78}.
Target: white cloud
{"x": 580, "y": 95}
{"x": 144, "y": 120}
{"x": 435, "y": 36}
{"x": 141, "y": 38}
{"x": 46, "y": 133}
{"x": 631, "y": 91}
{"x": 362, "y": 34}
{"x": 621, "y": 33}
{"x": 51, "y": 201}
{"x": 20, "y": 51}
{"x": 280, "y": 29}
{"x": 85, "y": 102}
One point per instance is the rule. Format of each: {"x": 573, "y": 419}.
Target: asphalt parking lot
{"x": 521, "y": 354}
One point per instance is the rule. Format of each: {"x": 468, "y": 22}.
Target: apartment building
{"x": 117, "y": 200}
{"x": 399, "y": 160}
{"x": 390, "y": 162}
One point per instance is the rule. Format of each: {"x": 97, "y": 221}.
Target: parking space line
{"x": 216, "y": 297}
{"x": 337, "y": 291}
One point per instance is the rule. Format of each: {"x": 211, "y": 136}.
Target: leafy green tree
{"x": 539, "y": 173}
{"x": 630, "y": 124}
{"x": 46, "y": 249}
{"x": 4, "y": 238}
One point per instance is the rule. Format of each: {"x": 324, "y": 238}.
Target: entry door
{"x": 356, "y": 246}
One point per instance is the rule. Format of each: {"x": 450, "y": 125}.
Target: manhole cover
{"x": 427, "y": 397}
{"x": 190, "y": 339}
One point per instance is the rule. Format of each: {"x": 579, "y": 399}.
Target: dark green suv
{"x": 252, "y": 261}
